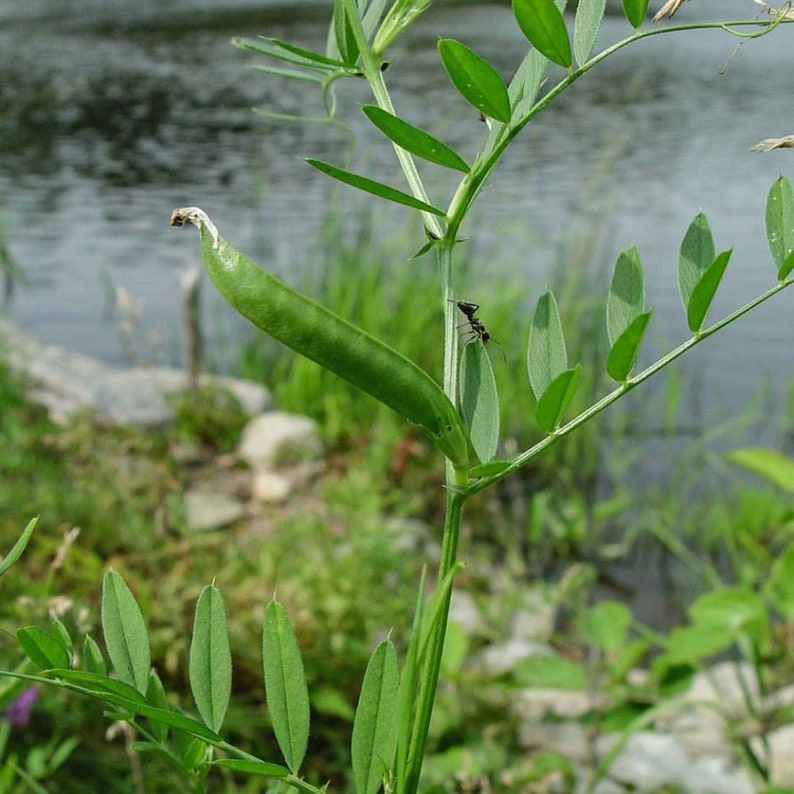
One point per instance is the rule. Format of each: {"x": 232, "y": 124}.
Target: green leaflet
{"x": 556, "y": 398}
{"x": 479, "y": 400}
{"x": 704, "y": 290}
{"x": 374, "y": 719}
{"x": 626, "y": 299}
{"x": 45, "y": 650}
{"x": 258, "y": 768}
{"x": 476, "y": 80}
{"x": 374, "y": 187}
{"x": 635, "y": 11}
{"x": 210, "y": 663}
{"x": 546, "y": 356}
{"x": 414, "y": 140}
{"x": 544, "y": 26}
{"x": 623, "y": 354}
{"x": 589, "y": 15}
{"x": 696, "y": 254}
{"x": 780, "y": 225}
{"x": 125, "y": 632}
{"x": 285, "y": 686}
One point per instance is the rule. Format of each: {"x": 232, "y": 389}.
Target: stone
{"x": 275, "y": 439}
{"x": 270, "y": 487}
{"x": 464, "y": 611}
{"x": 65, "y": 383}
{"x": 206, "y": 511}
{"x": 499, "y": 658}
{"x": 649, "y": 761}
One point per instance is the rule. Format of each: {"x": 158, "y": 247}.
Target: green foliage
{"x": 392, "y": 725}
{"x": 476, "y": 80}
{"x": 210, "y": 416}
{"x": 541, "y": 21}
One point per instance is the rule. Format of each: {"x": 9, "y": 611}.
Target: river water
{"x": 113, "y": 113}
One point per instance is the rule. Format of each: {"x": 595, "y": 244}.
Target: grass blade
{"x": 18, "y": 547}
{"x": 544, "y": 26}
{"x": 479, "y": 400}
{"x": 125, "y": 632}
{"x": 376, "y": 188}
{"x": 546, "y": 356}
{"x": 285, "y": 685}
{"x": 414, "y": 140}
{"x": 210, "y": 664}
{"x": 476, "y": 80}
{"x": 773, "y": 466}
{"x": 374, "y": 719}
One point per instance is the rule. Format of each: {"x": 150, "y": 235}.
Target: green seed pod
{"x": 322, "y": 336}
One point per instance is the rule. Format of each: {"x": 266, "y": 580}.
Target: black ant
{"x": 476, "y": 328}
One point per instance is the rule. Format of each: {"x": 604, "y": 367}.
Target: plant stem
{"x": 432, "y": 667}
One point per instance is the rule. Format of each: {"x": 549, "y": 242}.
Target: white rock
{"x": 276, "y": 438}
{"x": 652, "y": 760}
{"x": 207, "y": 510}
{"x": 501, "y": 657}
{"x": 270, "y": 487}
{"x": 464, "y": 611}
{"x": 566, "y": 738}
{"x": 534, "y": 705}
{"x": 65, "y": 382}
{"x": 781, "y": 750}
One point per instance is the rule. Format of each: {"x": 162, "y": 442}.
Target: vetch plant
{"x": 459, "y": 416}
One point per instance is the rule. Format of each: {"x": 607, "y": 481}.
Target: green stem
{"x": 377, "y": 84}
{"x": 431, "y": 669}
{"x": 526, "y": 456}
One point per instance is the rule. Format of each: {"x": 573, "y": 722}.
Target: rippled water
{"x": 113, "y": 113}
